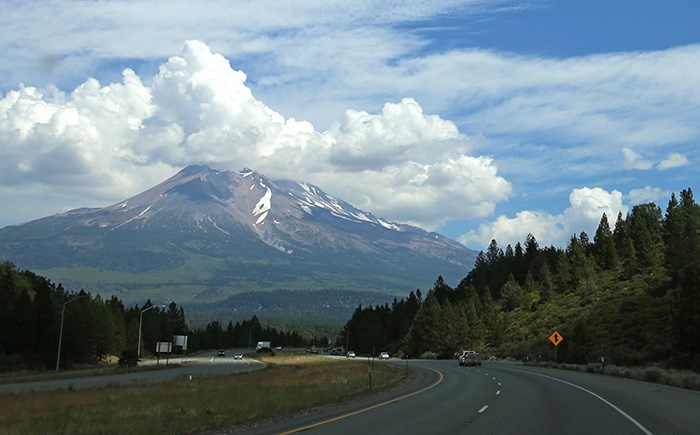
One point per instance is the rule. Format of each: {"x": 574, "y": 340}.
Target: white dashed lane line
{"x": 498, "y": 392}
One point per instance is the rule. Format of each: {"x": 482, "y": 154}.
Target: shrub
{"x": 594, "y": 368}
{"x": 652, "y": 374}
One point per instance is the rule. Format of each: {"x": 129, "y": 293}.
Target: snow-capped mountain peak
{"x": 252, "y": 231}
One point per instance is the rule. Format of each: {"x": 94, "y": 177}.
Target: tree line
{"x": 34, "y": 311}
{"x": 36, "y": 314}
{"x": 245, "y": 333}
{"x": 632, "y": 294}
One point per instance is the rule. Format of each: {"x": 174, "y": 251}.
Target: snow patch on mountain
{"x": 264, "y": 205}
{"x": 389, "y": 225}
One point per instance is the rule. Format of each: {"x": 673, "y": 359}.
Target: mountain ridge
{"x": 219, "y": 232}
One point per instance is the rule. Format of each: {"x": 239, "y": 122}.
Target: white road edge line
{"x": 623, "y": 413}
{"x": 483, "y": 408}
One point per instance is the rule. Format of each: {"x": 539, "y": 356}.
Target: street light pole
{"x": 60, "y": 334}
{"x": 138, "y": 352}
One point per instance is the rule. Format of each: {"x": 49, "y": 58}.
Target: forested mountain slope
{"x": 631, "y": 295}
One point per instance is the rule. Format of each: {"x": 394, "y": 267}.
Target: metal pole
{"x": 138, "y": 351}
{"x": 60, "y": 334}
{"x": 60, "y": 338}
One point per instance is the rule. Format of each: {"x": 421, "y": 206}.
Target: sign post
{"x": 556, "y": 339}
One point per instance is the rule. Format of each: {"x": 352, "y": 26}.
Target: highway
{"x": 204, "y": 364}
{"x": 503, "y": 398}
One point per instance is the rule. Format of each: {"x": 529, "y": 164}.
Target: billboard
{"x": 164, "y": 347}
{"x": 180, "y": 340}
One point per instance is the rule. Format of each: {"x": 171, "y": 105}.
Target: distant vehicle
{"x": 469, "y": 358}
{"x": 278, "y": 348}
{"x": 384, "y": 355}
{"x": 350, "y": 354}
{"x": 263, "y": 345}
{"x": 462, "y": 358}
{"x": 221, "y": 353}
{"x": 237, "y": 356}
{"x": 473, "y": 359}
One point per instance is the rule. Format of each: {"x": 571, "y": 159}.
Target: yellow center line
{"x": 369, "y": 408}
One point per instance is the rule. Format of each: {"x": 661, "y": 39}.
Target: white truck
{"x": 263, "y": 345}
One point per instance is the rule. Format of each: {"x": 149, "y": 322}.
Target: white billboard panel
{"x": 164, "y": 347}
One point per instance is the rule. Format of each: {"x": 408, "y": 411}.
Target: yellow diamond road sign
{"x": 556, "y": 338}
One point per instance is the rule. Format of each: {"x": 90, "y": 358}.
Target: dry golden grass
{"x": 291, "y": 383}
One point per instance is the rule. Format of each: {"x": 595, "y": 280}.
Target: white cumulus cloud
{"x": 586, "y": 207}
{"x": 118, "y": 139}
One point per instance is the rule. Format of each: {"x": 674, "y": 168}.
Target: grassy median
{"x": 291, "y": 383}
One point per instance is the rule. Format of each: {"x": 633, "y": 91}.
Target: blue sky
{"x": 478, "y": 119}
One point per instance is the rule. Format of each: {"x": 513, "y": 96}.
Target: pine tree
{"x": 646, "y": 233}
{"x": 604, "y": 245}
{"x": 673, "y": 238}
{"x": 625, "y": 247}
{"x": 582, "y": 268}
{"x": 513, "y": 295}
{"x": 688, "y": 317}
{"x": 441, "y": 290}
{"x": 427, "y": 327}
{"x": 518, "y": 268}
{"x": 690, "y": 224}
{"x": 494, "y": 254}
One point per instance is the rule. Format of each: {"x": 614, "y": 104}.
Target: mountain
{"x": 205, "y": 235}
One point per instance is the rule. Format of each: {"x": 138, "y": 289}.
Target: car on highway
{"x": 350, "y": 354}
{"x": 469, "y": 358}
{"x": 238, "y": 355}
{"x": 221, "y": 353}
{"x": 462, "y": 359}
{"x": 384, "y": 355}
{"x": 473, "y": 359}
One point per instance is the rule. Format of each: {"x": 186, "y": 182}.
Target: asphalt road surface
{"x": 502, "y": 398}
{"x": 204, "y": 364}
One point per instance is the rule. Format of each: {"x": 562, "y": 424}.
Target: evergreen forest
{"x": 630, "y": 296}
{"x": 37, "y": 316}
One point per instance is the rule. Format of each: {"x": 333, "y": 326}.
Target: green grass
{"x": 290, "y": 384}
